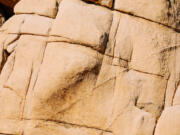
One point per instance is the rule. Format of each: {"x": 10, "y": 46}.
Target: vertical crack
{"x": 24, "y": 100}
{"x": 163, "y": 107}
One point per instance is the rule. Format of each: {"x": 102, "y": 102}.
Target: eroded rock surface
{"x": 92, "y": 67}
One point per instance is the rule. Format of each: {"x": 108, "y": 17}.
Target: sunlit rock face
{"x": 93, "y": 67}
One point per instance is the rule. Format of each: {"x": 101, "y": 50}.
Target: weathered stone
{"x": 11, "y": 126}
{"x": 148, "y": 90}
{"x": 41, "y": 7}
{"x": 66, "y": 86}
{"x": 90, "y": 70}
{"x": 170, "y": 92}
{"x": 150, "y": 43}
{"x": 91, "y": 24}
{"x": 133, "y": 122}
{"x": 11, "y": 47}
{"x": 166, "y": 12}
{"x": 14, "y": 24}
{"x": 16, "y": 75}
{"x": 11, "y": 38}
{"x": 25, "y": 54}
{"x": 177, "y": 97}
{"x": 169, "y": 122}
{"x": 7, "y": 69}
{"x": 33, "y": 26}
{"x": 41, "y": 127}
{"x": 11, "y": 103}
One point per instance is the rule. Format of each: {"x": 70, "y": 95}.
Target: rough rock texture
{"x": 92, "y": 67}
{"x": 166, "y": 12}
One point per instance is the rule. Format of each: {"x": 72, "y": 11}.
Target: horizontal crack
{"x": 98, "y": 86}
{"x": 124, "y": 12}
{"x": 12, "y": 90}
{"x": 147, "y": 72}
{"x": 170, "y": 48}
{"x": 71, "y": 124}
{"x": 33, "y": 34}
{"x": 116, "y": 57}
{"x": 71, "y": 41}
{"x": 128, "y": 13}
{"x": 36, "y": 14}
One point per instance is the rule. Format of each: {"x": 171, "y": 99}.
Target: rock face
{"x": 93, "y": 67}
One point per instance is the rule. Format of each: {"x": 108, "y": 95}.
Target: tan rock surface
{"x": 176, "y": 100}
{"x": 169, "y": 122}
{"x": 40, "y": 7}
{"x": 92, "y": 23}
{"x": 14, "y": 24}
{"x": 89, "y": 67}
{"x": 163, "y": 11}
